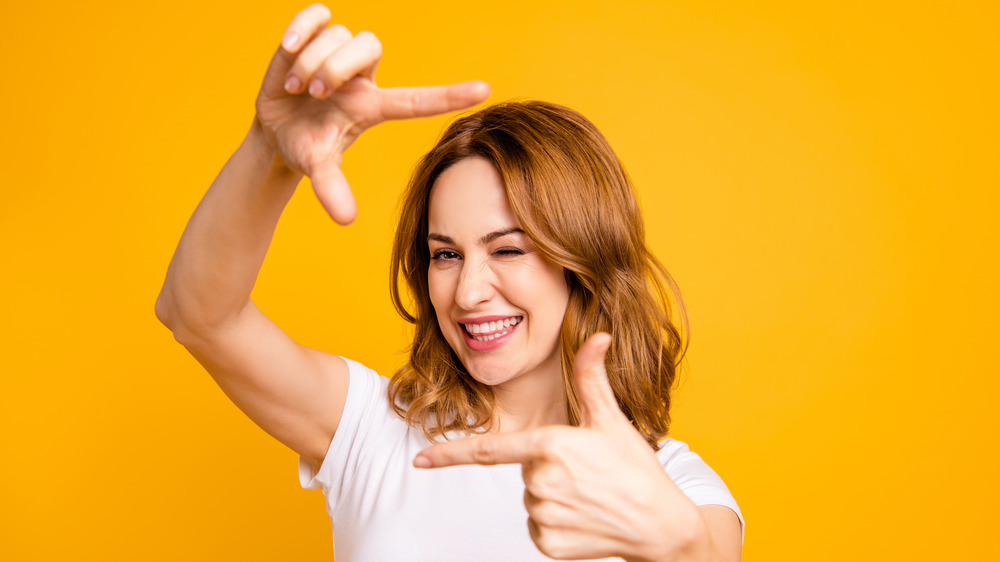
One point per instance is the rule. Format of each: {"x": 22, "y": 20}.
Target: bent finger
{"x": 406, "y": 103}
{"x": 311, "y": 59}
{"x": 571, "y": 544}
{"x": 353, "y": 58}
{"x": 303, "y": 26}
{"x": 547, "y": 514}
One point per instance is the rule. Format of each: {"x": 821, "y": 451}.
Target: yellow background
{"x": 821, "y": 179}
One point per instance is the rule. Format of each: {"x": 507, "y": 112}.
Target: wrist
{"x": 263, "y": 148}
{"x": 680, "y": 539}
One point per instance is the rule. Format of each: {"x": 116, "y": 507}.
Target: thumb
{"x": 600, "y": 408}
{"x": 334, "y": 193}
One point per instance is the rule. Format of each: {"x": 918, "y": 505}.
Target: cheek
{"x": 540, "y": 288}
{"x": 556, "y": 293}
{"x": 440, "y": 290}
{"x": 559, "y": 299}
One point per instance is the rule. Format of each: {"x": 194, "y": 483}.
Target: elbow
{"x": 162, "y": 309}
{"x": 189, "y": 330}
{"x": 168, "y": 315}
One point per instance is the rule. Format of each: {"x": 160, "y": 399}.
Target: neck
{"x": 529, "y": 403}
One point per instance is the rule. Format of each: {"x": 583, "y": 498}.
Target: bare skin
{"x": 597, "y": 490}
{"x": 293, "y": 392}
{"x": 318, "y": 95}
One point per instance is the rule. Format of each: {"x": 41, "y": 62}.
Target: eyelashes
{"x": 437, "y": 255}
{"x": 448, "y": 255}
{"x": 509, "y": 252}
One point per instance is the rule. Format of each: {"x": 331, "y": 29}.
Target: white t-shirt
{"x": 382, "y": 508}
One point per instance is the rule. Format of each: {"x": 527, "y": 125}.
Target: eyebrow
{"x": 486, "y": 239}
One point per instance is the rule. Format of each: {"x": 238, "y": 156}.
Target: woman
{"x": 522, "y": 245}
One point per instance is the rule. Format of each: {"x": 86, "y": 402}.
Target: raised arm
{"x": 317, "y": 96}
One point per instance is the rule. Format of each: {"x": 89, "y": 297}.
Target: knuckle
{"x": 311, "y": 16}
{"x": 308, "y": 61}
{"x": 319, "y": 8}
{"x": 371, "y": 42}
{"x": 338, "y": 31}
{"x": 539, "y": 488}
{"x": 332, "y": 74}
{"x": 549, "y": 543}
{"x": 545, "y": 514}
{"x": 416, "y": 99}
{"x": 484, "y": 452}
{"x": 550, "y": 443}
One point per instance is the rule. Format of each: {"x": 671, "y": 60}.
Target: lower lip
{"x": 476, "y": 345}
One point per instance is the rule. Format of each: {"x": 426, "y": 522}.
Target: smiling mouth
{"x": 488, "y": 331}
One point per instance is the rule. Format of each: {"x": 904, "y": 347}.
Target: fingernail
{"x": 316, "y": 88}
{"x": 422, "y": 462}
{"x": 293, "y": 84}
{"x": 290, "y": 40}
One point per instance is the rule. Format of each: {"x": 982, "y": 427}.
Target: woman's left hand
{"x": 591, "y": 491}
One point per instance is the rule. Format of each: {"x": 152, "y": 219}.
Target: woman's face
{"x": 499, "y": 303}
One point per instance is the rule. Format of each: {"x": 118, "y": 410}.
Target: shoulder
{"x": 684, "y": 466}
{"x": 366, "y": 392}
{"x": 694, "y": 476}
{"x": 673, "y": 451}
{"x": 367, "y": 423}
{"x": 363, "y": 375}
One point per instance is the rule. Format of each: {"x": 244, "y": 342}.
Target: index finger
{"x": 505, "y": 448}
{"x": 406, "y": 103}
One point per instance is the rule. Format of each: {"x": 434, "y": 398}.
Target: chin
{"x": 490, "y": 375}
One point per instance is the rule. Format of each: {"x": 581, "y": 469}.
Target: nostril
{"x": 472, "y": 289}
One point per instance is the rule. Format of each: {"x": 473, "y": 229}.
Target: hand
{"x": 319, "y": 94}
{"x": 591, "y": 491}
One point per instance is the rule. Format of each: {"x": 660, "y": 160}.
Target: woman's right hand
{"x": 319, "y": 94}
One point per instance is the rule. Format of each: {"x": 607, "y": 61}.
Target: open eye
{"x": 444, "y": 255}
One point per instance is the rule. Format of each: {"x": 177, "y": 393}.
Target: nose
{"x": 475, "y": 285}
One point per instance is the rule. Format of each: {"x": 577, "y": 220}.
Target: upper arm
{"x": 293, "y": 392}
{"x": 725, "y": 529}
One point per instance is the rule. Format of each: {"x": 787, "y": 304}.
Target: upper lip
{"x": 484, "y": 319}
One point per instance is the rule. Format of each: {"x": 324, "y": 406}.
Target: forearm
{"x": 217, "y": 260}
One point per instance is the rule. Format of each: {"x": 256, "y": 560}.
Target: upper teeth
{"x": 487, "y": 327}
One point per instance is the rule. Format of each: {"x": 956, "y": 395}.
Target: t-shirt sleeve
{"x": 695, "y": 478}
{"x": 365, "y": 408}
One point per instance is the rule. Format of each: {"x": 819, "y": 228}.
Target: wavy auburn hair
{"x": 576, "y": 203}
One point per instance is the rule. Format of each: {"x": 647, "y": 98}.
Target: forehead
{"x": 469, "y": 199}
